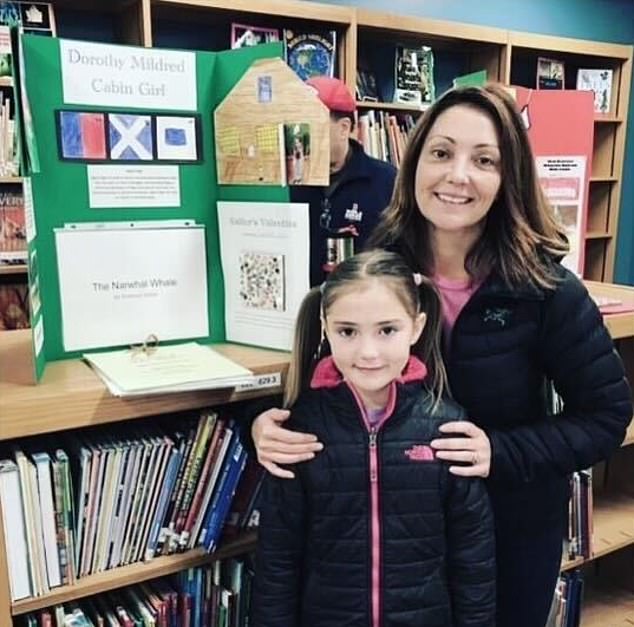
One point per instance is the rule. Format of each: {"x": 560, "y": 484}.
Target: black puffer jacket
{"x": 402, "y": 543}
{"x": 505, "y": 345}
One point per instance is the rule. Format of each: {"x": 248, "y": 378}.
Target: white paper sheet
{"x": 133, "y": 186}
{"x": 119, "y": 285}
{"x": 264, "y": 250}
{"x": 124, "y": 76}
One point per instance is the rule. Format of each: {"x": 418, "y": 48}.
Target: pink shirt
{"x": 454, "y": 295}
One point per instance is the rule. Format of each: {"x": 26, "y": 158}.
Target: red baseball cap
{"x": 333, "y": 93}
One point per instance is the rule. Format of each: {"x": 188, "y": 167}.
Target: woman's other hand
{"x": 276, "y": 445}
{"x": 470, "y": 446}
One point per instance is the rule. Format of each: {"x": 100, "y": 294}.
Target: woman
{"x": 468, "y": 211}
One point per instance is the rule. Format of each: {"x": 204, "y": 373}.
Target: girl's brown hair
{"x": 310, "y": 344}
{"x": 521, "y": 231}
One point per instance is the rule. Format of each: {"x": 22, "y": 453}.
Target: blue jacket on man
{"x": 357, "y": 195}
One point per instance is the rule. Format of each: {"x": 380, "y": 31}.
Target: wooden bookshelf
{"x": 13, "y": 180}
{"x": 29, "y": 409}
{"x": 133, "y": 574}
{"x": 391, "y": 106}
{"x": 7, "y": 270}
{"x": 607, "y": 607}
{"x": 613, "y": 522}
{"x": 597, "y": 235}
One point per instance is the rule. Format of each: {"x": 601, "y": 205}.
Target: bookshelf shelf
{"x": 613, "y": 520}
{"x": 608, "y": 119}
{"x": 134, "y": 573}
{"x": 15, "y": 180}
{"x": 29, "y": 409}
{"x": 6, "y": 81}
{"x": 20, "y": 268}
{"x": 602, "y": 607}
{"x": 613, "y": 523}
{"x": 390, "y": 106}
{"x": 619, "y": 325}
{"x": 603, "y": 179}
{"x": 597, "y": 235}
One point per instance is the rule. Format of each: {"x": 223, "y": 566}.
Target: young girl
{"x": 374, "y": 531}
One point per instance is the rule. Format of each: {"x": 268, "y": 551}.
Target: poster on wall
{"x": 560, "y": 127}
{"x": 563, "y": 180}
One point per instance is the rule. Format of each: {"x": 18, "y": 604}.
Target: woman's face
{"x": 459, "y": 171}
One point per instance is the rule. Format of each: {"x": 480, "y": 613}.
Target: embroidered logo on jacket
{"x": 501, "y": 316}
{"x": 420, "y": 453}
{"x": 353, "y": 214}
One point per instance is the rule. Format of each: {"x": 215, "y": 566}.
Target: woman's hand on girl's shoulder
{"x": 473, "y": 449}
{"x": 275, "y": 444}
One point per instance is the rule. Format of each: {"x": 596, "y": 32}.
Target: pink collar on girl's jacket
{"x": 326, "y": 374}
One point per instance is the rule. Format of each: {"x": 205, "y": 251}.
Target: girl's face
{"x": 458, "y": 173}
{"x": 370, "y": 334}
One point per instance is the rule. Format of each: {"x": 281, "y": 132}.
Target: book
{"x": 14, "y": 306}
{"x": 297, "y": 153}
{"x": 367, "y": 90}
{"x": 473, "y": 79}
{"x": 243, "y": 35}
{"x": 310, "y": 53}
{"x": 42, "y": 463}
{"x": 414, "y": 75}
{"x": 14, "y": 530}
{"x": 550, "y": 73}
{"x": 13, "y": 245}
{"x": 5, "y": 51}
{"x": 177, "y": 368}
{"x": 598, "y": 81}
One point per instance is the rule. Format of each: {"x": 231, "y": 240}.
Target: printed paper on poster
{"x": 264, "y": 250}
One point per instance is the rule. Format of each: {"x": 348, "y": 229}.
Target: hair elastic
{"x": 418, "y": 278}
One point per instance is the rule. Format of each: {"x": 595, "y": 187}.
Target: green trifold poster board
{"x": 63, "y": 191}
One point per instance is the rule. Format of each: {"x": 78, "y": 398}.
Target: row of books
{"x": 211, "y": 596}
{"x": 101, "y": 500}
{"x": 384, "y": 135}
{"x": 566, "y": 608}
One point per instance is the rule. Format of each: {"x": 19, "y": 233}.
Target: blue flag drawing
{"x": 130, "y": 137}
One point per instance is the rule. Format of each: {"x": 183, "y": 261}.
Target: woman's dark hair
{"x": 520, "y": 232}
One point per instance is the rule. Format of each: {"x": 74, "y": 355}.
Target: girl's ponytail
{"x": 429, "y": 345}
{"x": 306, "y": 343}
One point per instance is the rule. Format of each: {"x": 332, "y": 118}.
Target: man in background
{"x": 343, "y": 215}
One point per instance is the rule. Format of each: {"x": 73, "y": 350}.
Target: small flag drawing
{"x": 176, "y": 138}
{"x": 82, "y": 135}
{"x": 130, "y": 137}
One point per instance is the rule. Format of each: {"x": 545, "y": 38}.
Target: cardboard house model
{"x": 272, "y": 129}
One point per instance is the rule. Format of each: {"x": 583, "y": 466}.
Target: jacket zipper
{"x": 375, "y": 528}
